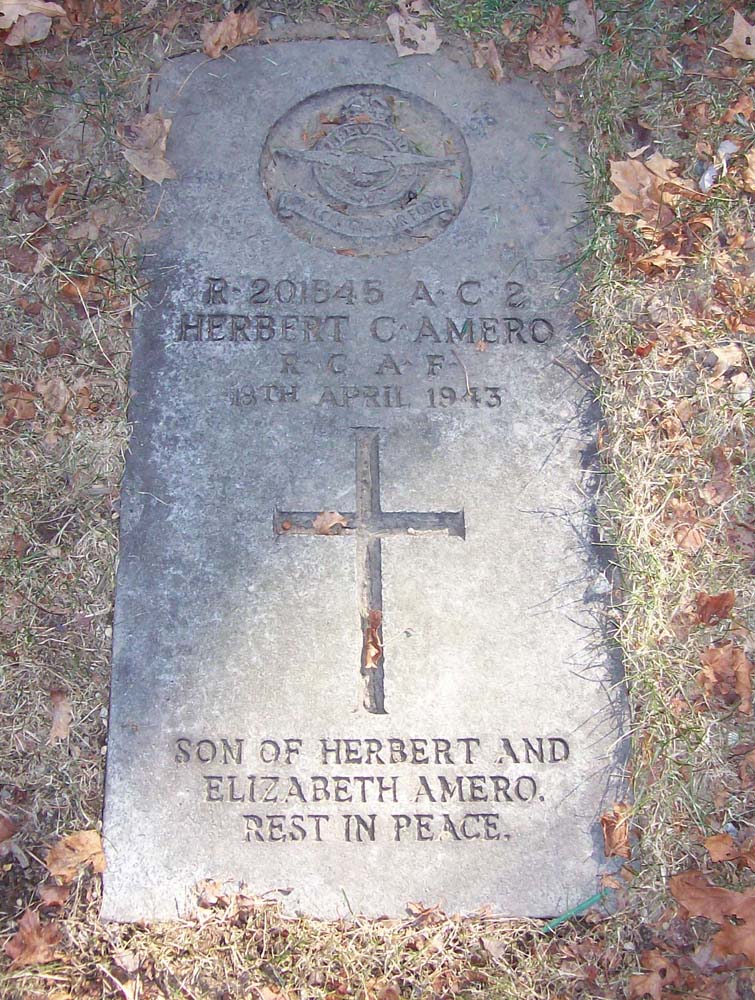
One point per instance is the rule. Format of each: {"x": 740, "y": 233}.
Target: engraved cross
{"x": 369, "y": 524}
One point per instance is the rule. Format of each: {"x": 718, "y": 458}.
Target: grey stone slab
{"x": 358, "y": 304}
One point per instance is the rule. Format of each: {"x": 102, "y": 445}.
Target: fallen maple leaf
{"x": 410, "y": 36}
{"x": 235, "y": 29}
{"x": 660, "y": 259}
{"x": 62, "y": 714}
{"x": 21, "y": 259}
{"x": 615, "y": 824}
{"x": 724, "y": 358}
{"x": 76, "y": 289}
{"x": 83, "y": 397}
{"x": 545, "y": 43}
{"x": 688, "y": 532}
{"x": 126, "y": 960}
{"x": 7, "y": 831}
{"x": 54, "y": 199}
{"x": 713, "y": 608}
{"x": 663, "y": 972}
{"x": 30, "y": 29}
{"x": 741, "y": 41}
{"x": 53, "y": 895}
{"x": 54, "y": 393}
{"x": 113, "y": 10}
{"x": 721, "y": 487}
{"x": 33, "y": 942}
{"x": 741, "y": 539}
{"x": 486, "y": 54}
{"x": 700, "y": 898}
{"x": 327, "y": 521}
{"x": 69, "y": 855}
{"x": 648, "y": 189}
{"x": 555, "y": 45}
{"x": 28, "y": 20}
{"x": 726, "y": 676}
{"x": 11, "y": 10}
{"x": 748, "y": 177}
{"x": 143, "y": 145}
{"x": 18, "y": 403}
{"x": 721, "y": 847}
{"x": 742, "y": 106}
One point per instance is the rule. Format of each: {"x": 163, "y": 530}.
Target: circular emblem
{"x": 365, "y": 169}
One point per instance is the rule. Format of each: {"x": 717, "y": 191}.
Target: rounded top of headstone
{"x": 366, "y": 169}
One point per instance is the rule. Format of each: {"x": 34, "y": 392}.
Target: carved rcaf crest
{"x": 366, "y": 168}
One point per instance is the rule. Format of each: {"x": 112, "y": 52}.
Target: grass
{"x": 60, "y": 106}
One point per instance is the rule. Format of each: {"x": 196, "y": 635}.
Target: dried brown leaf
{"x": 234, "y": 29}
{"x": 372, "y": 640}
{"x": 700, "y": 898}
{"x": 720, "y": 488}
{"x": 410, "y": 36}
{"x": 689, "y": 534}
{"x": 62, "y": 715}
{"x": 54, "y": 199}
{"x": 18, "y": 404}
{"x": 53, "y": 895}
{"x": 76, "y": 289}
{"x": 663, "y": 972}
{"x": 21, "y": 259}
{"x": 29, "y": 29}
{"x": 558, "y": 45}
{"x": 724, "y": 357}
{"x": 742, "y": 106}
{"x": 33, "y": 943}
{"x": 722, "y": 847}
{"x": 741, "y": 41}
{"x": 69, "y": 855}
{"x": 327, "y": 521}
{"x": 615, "y": 824}
{"x": 648, "y": 189}
{"x": 545, "y": 43}
{"x": 725, "y": 676}
{"x": 54, "y": 393}
{"x": 748, "y": 176}
{"x": 741, "y": 539}
{"x": 126, "y": 960}
{"x": 143, "y": 145}
{"x": 12, "y": 10}
{"x": 83, "y": 397}
{"x": 486, "y": 54}
{"x": 114, "y": 10}
{"x": 713, "y": 608}
{"x": 8, "y": 829}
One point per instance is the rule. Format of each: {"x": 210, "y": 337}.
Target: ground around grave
{"x": 669, "y": 313}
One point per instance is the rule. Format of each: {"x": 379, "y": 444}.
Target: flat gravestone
{"x": 356, "y": 655}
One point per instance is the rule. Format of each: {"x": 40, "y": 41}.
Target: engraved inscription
{"x": 365, "y": 169}
{"x": 424, "y": 788}
{"x": 368, "y": 524}
{"x": 328, "y": 344}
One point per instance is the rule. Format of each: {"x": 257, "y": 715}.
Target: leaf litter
{"x": 33, "y": 943}
{"x": 143, "y": 145}
{"x": 235, "y": 29}
{"x": 558, "y": 44}
{"x": 412, "y": 31}
{"x": 68, "y": 856}
{"x": 329, "y": 522}
{"x": 741, "y": 42}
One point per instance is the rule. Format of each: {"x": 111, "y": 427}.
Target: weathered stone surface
{"x": 356, "y": 651}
